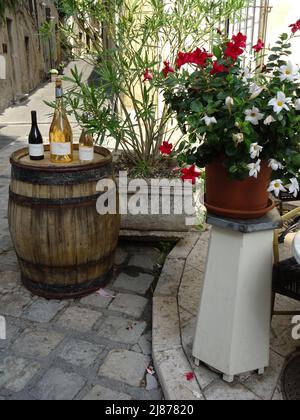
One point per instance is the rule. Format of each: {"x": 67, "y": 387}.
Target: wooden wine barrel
{"x": 64, "y": 247}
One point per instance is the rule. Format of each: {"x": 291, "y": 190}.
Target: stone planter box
{"x": 158, "y": 220}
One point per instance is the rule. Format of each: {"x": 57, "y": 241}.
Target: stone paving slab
{"x": 81, "y": 353}
{"x": 78, "y": 318}
{"x": 99, "y": 393}
{"x": 142, "y": 261}
{"x": 125, "y": 366}
{"x": 166, "y": 328}
{"x": 172, "y": 367}
{"x": 11, "y": 332}
{"x": 43, "y": 311}
{"x": 265, "y": 385}
{"x": 122, "y": 330}
{"x": 37, "y": 342}
{"x": 13, "y": 304}
{"x": 9, "y": 281}
{"x": 221, "y": 391}
{"x": 170, "y": 277}
{"x": 58, "y": 385}
{"x": 16, "y": 372}
{"x": 8, "y": 261}
{"x": 96, "y": 301}
{"x": 145, "y": 344}
{"x": 130, "y": 305}
{"x": 139, "y": 284}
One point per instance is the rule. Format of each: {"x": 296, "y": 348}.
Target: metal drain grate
{"x": 291, "y": 379}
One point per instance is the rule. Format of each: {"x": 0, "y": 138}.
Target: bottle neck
{"x": 59, "y": 97}
{"x": 34, "y": 119}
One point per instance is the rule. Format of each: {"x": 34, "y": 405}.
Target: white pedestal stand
{"x": 233, "y": 328}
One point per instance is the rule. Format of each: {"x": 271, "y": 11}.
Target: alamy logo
{"x": 296, "y": 329}
{"x": 2, "y": 328}
{"x": 157, "y": 197}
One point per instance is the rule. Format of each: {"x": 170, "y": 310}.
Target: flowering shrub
{"x": 127, "y": 39}
{"x": 248, "y": 115}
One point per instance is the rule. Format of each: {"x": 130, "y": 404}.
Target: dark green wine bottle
{"x": 35, "y": 140}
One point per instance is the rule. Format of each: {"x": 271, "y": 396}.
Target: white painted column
{"x": 233, "y": 328}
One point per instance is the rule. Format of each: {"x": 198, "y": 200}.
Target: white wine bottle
{"x": 86, "y": 146}
{"x": 61, "y": 136}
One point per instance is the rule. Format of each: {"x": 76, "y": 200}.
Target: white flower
{"x": 297, "y": 105}
{"x": 253, "y": 115}
{"x": 238, "y": 138}
{"x": 269, "y": 120}
{"x": 254, "y": 168}
{"x": 209, "y": 120}
{"x": 289, "y": 72}
{"x": 276, "y": 186}
{"x": 280, "y": 102}
{"x": 247, "y": 74}
{"x": 275, "y": 165}
{"x": 229, "y": 102}
{"x": 255, "y": 150}
{"x": 294, "y": 187}
{"x": 255, "y": 90}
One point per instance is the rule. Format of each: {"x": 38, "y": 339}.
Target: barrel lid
{"x": 21, "y": 159}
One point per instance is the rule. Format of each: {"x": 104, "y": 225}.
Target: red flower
{"x": 182, "y": 59}
{"x": 295, "y": 26}
{"x": 259, "y": 46}
{"x": 189, "y": 376}
{"x": 218, "y": 68}
{"x": 166, "y": 148}
{"x": 233, "y": 50}
{"x": 240, "y": 40}
{"x": 148, "y": 76}
{"x": 190, "y": 174}
{"x": 167, "y": 69}
{"x": 198, "y": 57}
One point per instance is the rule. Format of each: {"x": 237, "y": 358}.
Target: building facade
{"x": 26, "y": 56}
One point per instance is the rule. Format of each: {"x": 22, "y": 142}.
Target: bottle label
{"x": 36, "y": 150}
{"x": 61, "y": 149}
{"x": 59, "y": 92}
{"x": 86, "y": 153}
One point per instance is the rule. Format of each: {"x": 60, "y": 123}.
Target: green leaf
{"x": 273, "y": 57}
{"x": 284, "y": 37}
{"x": 217, "y": 52}
{"x": 296, "y": 160}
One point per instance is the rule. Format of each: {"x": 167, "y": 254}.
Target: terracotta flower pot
{"x": 248, "y": 199}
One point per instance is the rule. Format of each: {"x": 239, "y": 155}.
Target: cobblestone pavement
{"x": 93, "y": 348}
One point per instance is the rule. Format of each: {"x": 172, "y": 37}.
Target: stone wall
{"x": 26, "y": 55}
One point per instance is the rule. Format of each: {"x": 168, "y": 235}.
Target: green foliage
{"x": 135, "y": 35}
{"x": 195, "y": 94}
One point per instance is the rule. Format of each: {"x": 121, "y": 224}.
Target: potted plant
{"x": 53, "y": 74}
{"x": 61, "y": 69}
{"x": 242, "y": 123}
{"x": 125, "y": 106}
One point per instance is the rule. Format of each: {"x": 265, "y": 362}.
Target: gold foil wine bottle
{"x": 61, "y": 136}
{"x": 86, "y": 146}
